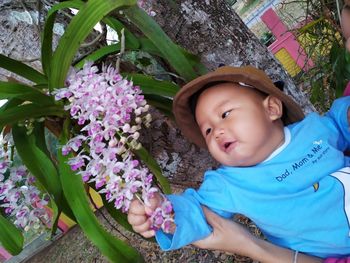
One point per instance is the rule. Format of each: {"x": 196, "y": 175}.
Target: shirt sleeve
{"x": 190, "y": 221}
{"x": 339, "y": 115}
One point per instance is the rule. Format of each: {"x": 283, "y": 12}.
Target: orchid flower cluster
{"x": 19, "y": 197}
{"x": 110, "y": 112}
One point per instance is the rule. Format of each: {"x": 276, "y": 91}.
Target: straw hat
{"x": 245, "y": 76}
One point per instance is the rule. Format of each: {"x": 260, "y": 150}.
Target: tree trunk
{"x": 212, "y": 30}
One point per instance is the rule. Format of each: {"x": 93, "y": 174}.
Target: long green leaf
{"x": 98, "y": 54}
{"x": 11, "y": 238}
{"x": 46, "y": 46}
{"x": 14, "y": 114}
{"x": 10, "y": 90}
{"x": 118, "y": 216}
{"x": 62, "y": 204}
{"x": 153, "y": 86}
{"x": 165, "y": 45}
{"x": 22, "y": 69}
{"x": 131, "y": 41}
{"x": 73, "y": 187}
{"x": 76, "y": 32}
{"x": 149, "y": 47}
{"x": 37, "y": 161}
{"x": 153, "y": 166}
{"x": 11, "y": 103}
{"x": 161, "y": 103}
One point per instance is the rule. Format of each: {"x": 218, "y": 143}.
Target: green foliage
{"x": 321, "y": 38}
{"x": 22, "y": 70}
{"x": 11, "y": 237}
{"x": 27, "y": 103}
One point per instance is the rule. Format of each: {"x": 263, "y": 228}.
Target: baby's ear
{"x": 273, "y": 107}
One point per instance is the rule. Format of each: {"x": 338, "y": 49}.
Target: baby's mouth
{"x": 227, "y": 146}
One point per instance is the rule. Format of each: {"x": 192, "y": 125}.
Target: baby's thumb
{"x": 153, "y": 203}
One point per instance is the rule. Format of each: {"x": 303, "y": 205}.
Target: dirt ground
{"x": 74, "y": 247}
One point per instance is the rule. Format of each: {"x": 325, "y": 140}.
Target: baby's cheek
{"x": 347, "y": 44}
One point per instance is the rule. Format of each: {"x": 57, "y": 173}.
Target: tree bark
{"x": 212, "y": 30}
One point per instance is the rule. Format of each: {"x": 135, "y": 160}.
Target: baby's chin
{"x": 347, "y": 44}
{"x": 239, "y": 163}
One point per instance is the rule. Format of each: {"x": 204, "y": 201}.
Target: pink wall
{"x": 285, "y": 39}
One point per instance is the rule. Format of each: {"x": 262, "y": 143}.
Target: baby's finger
{"x": 142, "y": 227}
{"x": 155, "y": 201}
{"x": 136, "y": 207}
{"x": 134, "y": 219}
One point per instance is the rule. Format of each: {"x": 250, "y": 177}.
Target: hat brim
{"x": 247, "y": 75}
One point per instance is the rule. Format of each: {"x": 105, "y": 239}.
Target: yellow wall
{"x": 287, "y": 62}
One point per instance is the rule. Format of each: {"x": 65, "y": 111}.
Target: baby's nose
{"x": 218, "y": 133}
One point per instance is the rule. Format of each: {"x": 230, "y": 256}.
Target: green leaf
{"x": 117, "y": 215}
{"x": 18, "y": 113}
{"x": 98, "y": 54}
{"x": 131, "y": 42}
{"x": 22, "y": 70}
{"x": 59, "y": 203}
{"x": 78, "y": 29}
{"x": 11, "y": 103}
{"x": 29, "y": 148}
{"x": 149, "y": 47}
{"x": 153, "y": 166}
{"x": 161, "y": 103}
{"x": 166, "y": 46}
{"x": 111, "y": 247}
{"x": 15, "y": 90}
{"x": 149, "y": 85}
{"x": 46, "y": 46}
{"x": 11, "y": 237}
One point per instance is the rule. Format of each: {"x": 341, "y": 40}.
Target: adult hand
{"x": 231, "y": 237}
{"x": 227, "y": 235}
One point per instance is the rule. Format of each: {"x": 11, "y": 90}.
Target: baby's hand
{"x": 138, "y": 215}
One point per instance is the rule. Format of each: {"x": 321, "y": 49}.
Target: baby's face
{"x": 237, "y": 125}
{"x": 345, "y": 24}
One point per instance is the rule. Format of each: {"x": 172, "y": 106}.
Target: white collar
{"x": 287, "y": 138}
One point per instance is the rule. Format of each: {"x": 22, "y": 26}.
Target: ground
{"x": 74, "y": 247}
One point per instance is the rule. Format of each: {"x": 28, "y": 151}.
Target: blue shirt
{"x": 299, "y": 197}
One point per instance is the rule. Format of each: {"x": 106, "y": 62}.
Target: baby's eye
{"x": 225, "y": 114}
{"x": 207, "y": 131}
